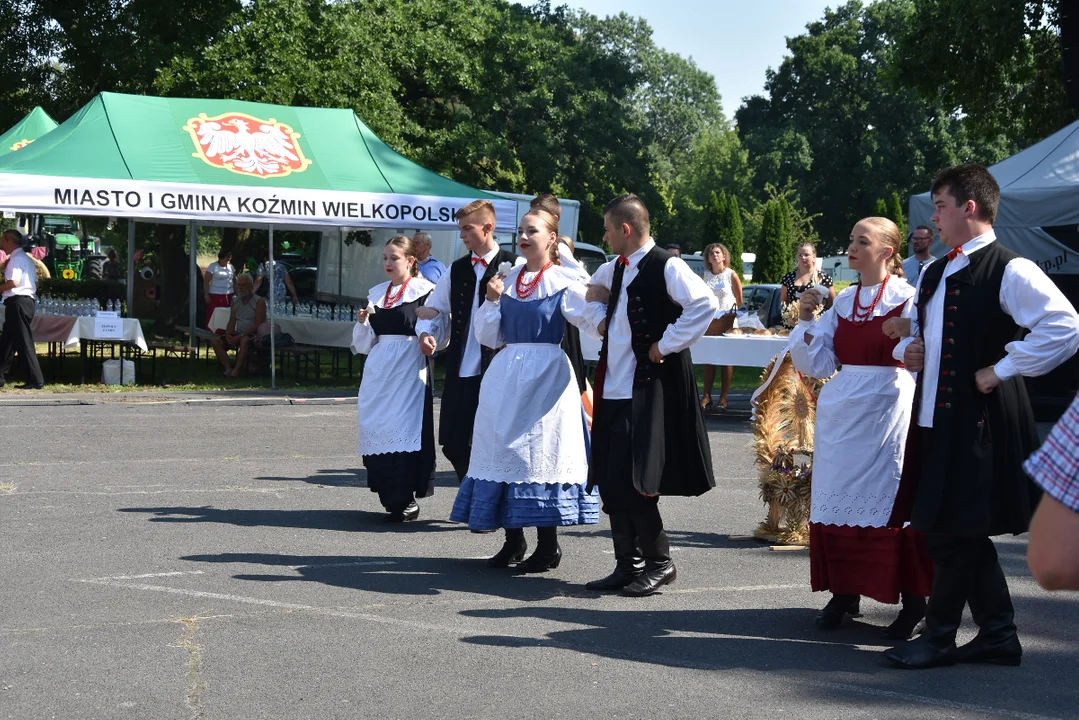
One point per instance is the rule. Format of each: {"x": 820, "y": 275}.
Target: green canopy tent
{"x": 26, "y": 131}
{"x": 229, "y": 162}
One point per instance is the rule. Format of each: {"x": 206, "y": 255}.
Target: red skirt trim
{"x": 879, "y": 563}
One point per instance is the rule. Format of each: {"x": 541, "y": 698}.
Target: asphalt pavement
{"x": 177, "y": 558}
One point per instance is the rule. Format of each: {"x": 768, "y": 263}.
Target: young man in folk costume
{"x": 973, "y": 424}
{"x": 458, "y": 293}
{"x": 648, "y": 435}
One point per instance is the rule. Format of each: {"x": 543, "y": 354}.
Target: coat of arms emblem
{"x": 247, "y": 145}
{"x": 21, "y": 144}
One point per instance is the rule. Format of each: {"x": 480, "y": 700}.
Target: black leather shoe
{"x": 651, "y": 580}
{"x": 542, "y": 561}
{"x": 513, "y": 551}
{"x": 620, "y": 578}
{"x": 1006, "y": 651}
{"x": 28, "y": 386}
{"x": 922, "y": 653}
{"x": 410, "y": 512}
{"x": 906, "y": 622}
{"x": 831, "y": 616}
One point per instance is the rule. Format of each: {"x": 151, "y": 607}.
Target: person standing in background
{"x": 920, "y": 240}
{"x": 430, "y": 267}
{"x": 19, "y": 291}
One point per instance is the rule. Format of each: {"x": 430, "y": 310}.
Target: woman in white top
{"x": 727, "y": 286}
{"x": 529, "y": 463}
{"x": 218, "y": 285}
{"x": 860, "y": 542}
{"x": 394, "y": 406}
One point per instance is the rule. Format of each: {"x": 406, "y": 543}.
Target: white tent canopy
{"x": 1039, "y": 187}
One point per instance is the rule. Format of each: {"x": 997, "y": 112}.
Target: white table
{"x": 71, "y": 330}
{"x": 735, "y": 350}
{"x": 304, "y": 330}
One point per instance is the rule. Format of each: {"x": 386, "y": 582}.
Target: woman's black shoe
{"x": 409, "y": 512}
{"x": 542, "y": 560}
{"x": 913, "y": 612}
{"x": 513, "y": 550}
{"x": 831, "y": 616}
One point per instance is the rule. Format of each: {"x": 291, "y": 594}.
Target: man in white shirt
{"x": 973, "y": 423}
{"x": 19, "y": 290}
{"x": 648, "y": 434}
{"x": 920, "y": 240}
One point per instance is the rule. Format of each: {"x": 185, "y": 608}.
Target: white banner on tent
{"x": 222, "y": 203}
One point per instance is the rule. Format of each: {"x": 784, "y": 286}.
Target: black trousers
{"x": 613, "y": 461}
{"x": 19, "y": 313}
{"x": 968, "y": 572}
{"x": 460, "y": 400}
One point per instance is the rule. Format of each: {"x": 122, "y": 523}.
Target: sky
{"x": 734, "y": 40}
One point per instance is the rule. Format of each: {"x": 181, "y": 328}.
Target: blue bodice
{"x": 535, "y": 321}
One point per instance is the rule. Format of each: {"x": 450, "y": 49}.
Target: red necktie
{"x": 477, "y": 259}
{"x": 957, "y": 251}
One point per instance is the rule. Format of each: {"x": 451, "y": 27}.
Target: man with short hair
{"x": 548, "y": 203}
{"x": 19, "y": 290}
{"x": 648, "y": 434}
{"x": 674, "y": 249}
{"x": 429, "y": 265}
{"x": 920, "y": 240}
{"x": 973, "y": 423}
{"x": 248, "y": 312}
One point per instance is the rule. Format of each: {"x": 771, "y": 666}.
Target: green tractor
{"x": 74, "y": 254}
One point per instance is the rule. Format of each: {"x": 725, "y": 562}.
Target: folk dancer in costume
{"x": 863, "y": 415}
{"x": 458, "y": 293}
{"x": 394, "y": 405}
{"x": 529, "y": 460}
{"x": 648, "y": 435}
{"x": 973, "y": 422}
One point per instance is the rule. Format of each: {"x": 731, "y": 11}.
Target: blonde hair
{"x": 408, "y": 247}
{"x": 814, "y": 274}
{"x": 888, "y": 235}
{"x": 486, "y": 208}
{"x": 708, "y": 251}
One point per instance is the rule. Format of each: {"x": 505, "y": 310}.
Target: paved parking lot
{"x": 173, "y": 561}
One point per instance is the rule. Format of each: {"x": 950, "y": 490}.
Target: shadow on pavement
{"x": 355, "y": 477}
{"x": 343, "y": 520}
{"x": 401, "y": 575}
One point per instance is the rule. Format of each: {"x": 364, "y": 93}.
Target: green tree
{"x": 880, "y": 209}
{"x": 834, "y": 123}
{"x": 899, "y": 217}
{"x": 1004, "y": 76}
{"x": 732, "y": 234}
{"x": 773, "y": 247}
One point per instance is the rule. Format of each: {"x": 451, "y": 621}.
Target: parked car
{"x": 695, "y": 262}
{"x": 764, "y": 300}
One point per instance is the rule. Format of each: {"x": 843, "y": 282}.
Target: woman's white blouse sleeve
{"x": 812, "y": 346}
{"x": 487, "y": 324}
{"x": 579, "y": 312}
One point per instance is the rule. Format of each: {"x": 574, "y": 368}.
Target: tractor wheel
{"x": 93, "y": 268}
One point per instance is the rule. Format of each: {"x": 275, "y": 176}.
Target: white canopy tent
{"x": 1039, "y": 187}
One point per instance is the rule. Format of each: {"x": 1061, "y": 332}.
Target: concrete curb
{"x": 221, "y": 401}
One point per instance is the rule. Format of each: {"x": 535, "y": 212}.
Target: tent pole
{"x": 192, "y": 236}
{"x": 340, "y": 258}
{"x": 269, "y": 309}
{"x": 130, "y": 264}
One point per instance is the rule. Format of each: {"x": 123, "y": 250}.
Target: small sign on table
{"x": 108, "y": 326}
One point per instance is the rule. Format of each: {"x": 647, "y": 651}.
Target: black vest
{"x": 671, "y": 455}
{"x": 463, "y": 299}
{"x": 971, "y": 480}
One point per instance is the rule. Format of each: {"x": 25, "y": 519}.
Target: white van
{"x": 838, "y": 268}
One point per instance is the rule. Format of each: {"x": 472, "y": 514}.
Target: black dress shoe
{"x": 28, "y": 386}
{"x": 410, "y": 512}
{"x": 542, "y": 560}
{"x": 921, "y": 653}
{"x": 906, "y": 622}
{"x": 1006, "y": 651}
{"x": 513, "y": 551}
{"x": 651, "y": 580}
{"x": 620, "y": 578}
{"x": 831, "y": 616}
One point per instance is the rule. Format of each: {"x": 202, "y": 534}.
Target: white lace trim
{"x": 896, "y": 293}
{"x": 417, "y": 288}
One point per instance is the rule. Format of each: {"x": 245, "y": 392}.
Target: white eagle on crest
{"x": 263, "y": 152}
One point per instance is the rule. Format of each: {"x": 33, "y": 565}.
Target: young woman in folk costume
{"x": 529, "y": 460}
{"x": 396, "y": 425}
{"x": 858, "y": 543}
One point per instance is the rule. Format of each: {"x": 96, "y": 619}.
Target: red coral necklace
{"x": 525, "y": 289}
{"x": 388, "y": 301}
{"x": 860, "y": 315}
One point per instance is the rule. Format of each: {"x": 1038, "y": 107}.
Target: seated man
{"x": 248, "y": 312}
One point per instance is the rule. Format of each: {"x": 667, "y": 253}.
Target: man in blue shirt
{"x": 430, "y": 268}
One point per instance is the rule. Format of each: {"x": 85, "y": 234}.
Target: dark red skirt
{"x": 879, "y": 563}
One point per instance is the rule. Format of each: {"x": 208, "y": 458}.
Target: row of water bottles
{"x": 316, "y": 311}
{"x": 78, "y": 307}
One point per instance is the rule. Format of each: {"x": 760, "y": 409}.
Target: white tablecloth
{"x": 308, "y": 331}
{"x": 736, "y": 350}
{"x": 70, "y": 330}
{"x": 220, "y": 319}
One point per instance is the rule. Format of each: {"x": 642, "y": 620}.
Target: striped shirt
{"x": 1055, "y": 465}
